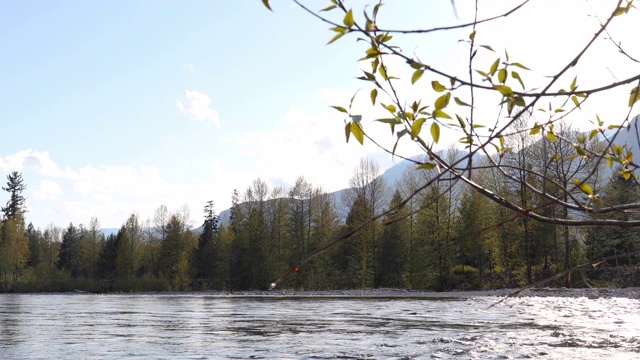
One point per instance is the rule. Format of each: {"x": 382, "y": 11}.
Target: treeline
{"x": 445, "y": 237}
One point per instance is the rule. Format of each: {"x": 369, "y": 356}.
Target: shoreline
{"x": 591, "y": 293}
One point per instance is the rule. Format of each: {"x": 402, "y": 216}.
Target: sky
{"x": 110, "y": 108}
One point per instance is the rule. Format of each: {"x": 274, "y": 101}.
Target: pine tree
{"x": 393, "y": 250}
{"x": 206, "y": 254}
{"x": 16, "y": 203}
{"x": 71, "y": 251}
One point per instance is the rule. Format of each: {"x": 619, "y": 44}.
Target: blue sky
{"x": 114, "y": 107}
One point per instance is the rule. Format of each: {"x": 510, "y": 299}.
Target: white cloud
{"x": 39, "y": 161}
{"x": 47, "y": 190}
{"x": 198, "y": 107}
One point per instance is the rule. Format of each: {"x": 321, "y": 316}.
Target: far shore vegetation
{"x": 448, "y": 238}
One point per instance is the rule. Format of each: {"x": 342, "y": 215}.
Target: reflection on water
{"x": 210, "y": 327}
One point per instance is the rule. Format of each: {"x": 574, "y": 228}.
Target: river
{"x": 201, "y": 326}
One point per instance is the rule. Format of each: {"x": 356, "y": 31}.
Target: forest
{"x": 445, "y": 237}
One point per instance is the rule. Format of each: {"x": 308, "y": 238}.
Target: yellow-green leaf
{"x": 520, "y": 65}
{"x": 462, "y": 123}
{"x": 535, "y": 130}
{"x": 426, "y": 166}
{"x": 374, "y": 95}
{"x": 504, "y": 90}
{"x": 472, "y": 36}
{"x": 328, "y": 8}
{"x": 383, "y": 71}
{"x": 502, "y": 75}
{"x": 635, "y": 96}
{"x": 437, "y": 86}
{"x": 266, "y": 3}
{"x": 551, "y": 136}
{"x": 340, "y": 108}
{"x": 348, "y": 19}
{"x": 494, "y": 66}
{"x": 391, "y": 108}
{"x": 442, "y": 101}
{"x": 416, "y": 75}
{"x": 347, "y": 131}
{"x": 460, "y": 102}
{"x": 356, "y": 130}
{"x": 338, "y": 36}
{"x": 440, "y": 114}
{"x": 516, "y": 76}
{"x": 416, "y": 127}
{"x": 584, "y": 187}
{"x": 576, "y": 101}
{"x": 435, "y": 132}
{"x": 574, "y": 84}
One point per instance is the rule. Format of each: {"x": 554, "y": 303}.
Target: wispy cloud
{"x": 197, "y": 107}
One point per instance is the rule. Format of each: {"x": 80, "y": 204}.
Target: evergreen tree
{"x": 175, "y": 254}
{"x": 206, "y": 253}
{"x": 107, "y": 268}
{"x": 71, "y": 251}
{"x": 34, "y": 236}
{"x": 393, "y": 249}
{"x": 15, "y": 187}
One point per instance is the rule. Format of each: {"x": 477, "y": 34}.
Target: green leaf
{"x": 415, "y": 65}
{"x": 426, "y": 166}
{"x": 460, "y": 102}
{"x": 347, "y": 131}
{"x": 437, "y": 86}
{"x": 340, "y": 108}
{"x": 551, "y": 136}
{"x": 472, "y": 35}
{"x": 266, "y": 3}
{"x": 328, "y": 8}
{"x": 338, "y": 36}
{"x": 374, "y": 95}
{"x": 494, "y": 66}
{"x": 383, "y": 71}
{"x": 504, "y": 90}
{"x": 520, "y": 66}
{"x": 482, "y": 73}
{"x": 435, "y": 132}
{"x": 442, "y": 101}
{"x": 391, "y": 108}
{"x": 462, "y": 123}
{"x": 535, "y": 130}
{"x": 440, "y": 114}
{"x": 416, "y": 127}
{"x": 416, "y": 75}
{"x": 502, "y": 75}
{"x": 574, "y": 85}
{"x": 584, "y": 187}
{"x": 356, "y": 130}
{"x": 348, "y": 19}
{"x": 635, "y": 96}
{"x": 516, "y": 76}
{"x": 487, "y": 47}
{"x": 392, "y": 121}
{"x": 576, "y": 101}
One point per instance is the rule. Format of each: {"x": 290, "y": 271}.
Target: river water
{"x": 199, "y": 326}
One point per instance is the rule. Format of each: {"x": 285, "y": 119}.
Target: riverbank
{"x": 591, "y": 293}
